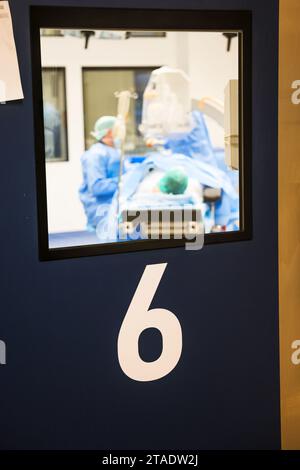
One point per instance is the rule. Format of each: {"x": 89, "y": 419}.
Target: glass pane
{"x": 54, "y": 98}
{"x": 154, "y": 129}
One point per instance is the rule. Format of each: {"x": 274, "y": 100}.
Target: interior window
{"x": 55, "y": 122}
{"x": 100, "y": 98}
{"x": 151, "y": 117}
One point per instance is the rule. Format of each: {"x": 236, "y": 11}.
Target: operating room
{"x": 139, "y": 121}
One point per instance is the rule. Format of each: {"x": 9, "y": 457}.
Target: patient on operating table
{"x": 174, "y": 181}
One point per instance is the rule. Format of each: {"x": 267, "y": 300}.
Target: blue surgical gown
{"x": 196, "y": 143}
{"x": 101, "y": 167}
{"x": 198, "y": 146}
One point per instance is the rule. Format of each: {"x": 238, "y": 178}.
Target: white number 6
{"x": 139, "y": 318}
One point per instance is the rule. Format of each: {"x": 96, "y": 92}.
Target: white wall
{"x": 202, "y": 55}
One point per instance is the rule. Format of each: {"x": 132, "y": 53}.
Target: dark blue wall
{"x": 62, "y": 387}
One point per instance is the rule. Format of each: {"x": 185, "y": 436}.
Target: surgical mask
{"x": 117, "y": 142}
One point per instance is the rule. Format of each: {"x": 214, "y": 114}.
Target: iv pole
{"x": 124, "y": 98}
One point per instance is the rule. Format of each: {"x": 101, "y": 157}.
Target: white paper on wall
{"x": 10, "y": 82}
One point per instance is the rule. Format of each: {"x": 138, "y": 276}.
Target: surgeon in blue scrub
{"x": 101, "y": 167}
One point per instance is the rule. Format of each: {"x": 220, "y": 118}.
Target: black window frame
{"x": 139, "y": 19}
